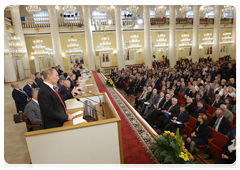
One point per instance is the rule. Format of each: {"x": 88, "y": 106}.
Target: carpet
{"x": 135, "y": 138}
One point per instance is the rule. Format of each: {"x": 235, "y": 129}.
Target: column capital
{"x": 85, "y": 6}
{"x": 50, "y": 6}
{"x": 146, "y": 6}
{"x": 196, "y": 6}
{"x": 216, "y": 7}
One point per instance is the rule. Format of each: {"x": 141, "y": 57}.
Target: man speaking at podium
{"x": 51, "y": 103}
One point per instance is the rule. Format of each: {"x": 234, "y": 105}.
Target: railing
{"x": 107, "y": 70}
{"x": 7, "y": 21}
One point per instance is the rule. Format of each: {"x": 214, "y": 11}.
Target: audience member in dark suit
{"x": 149, "y": 94}
{"x": 199, "y": 109}
{"x": 232, "y": 133}
{"x": 32, "y": 110}
{"x": 51, "y": 103}
{"x": 34, "y": 85}
{"x": 72, "y": 80}
{"x": 38, "y": 79}
{"x": 76, "y": 71}
{"x": 142, "y": 97}
{"x": 129, "y": 89}
{"x": 151, "y": 101}
{"x": 183, "y": 89}
{"x": 178, "y": 121}
{"x": 60, "y": 70}
{"x": 208, "y": 94}
{"x": 20, "y": 96}
{"x": 200, "y": 135}
{"x": 225, "y": 95}
{"x": 189, "y": 106}
{"x": 60, "y": 83}
{"x": 66, "y": 88}
{"x": 28, "y": 88}
{"x": 228, "y": 152}
{"x": 198, "y": 98}
{"x": 219, "y": 122}
{"x": 217, "y": 101}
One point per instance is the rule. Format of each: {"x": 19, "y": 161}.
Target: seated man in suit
{"x": 72, "y": 80}
{"x": 208, "y": 94}
{"x": 32, "y": 110}
{"x": 198, "y": 98}
{"x": 20, "y": 96}
{"x": 76, "y": 71}
{"x": 66, "y": 88}
{"x": 169, "y": 113}
{"x": 177, "y": 121}
{"x": 217, "y": 101}
{"x": 38, "y": 79}
{"x": 219, "y": 122}
{"x": 129, "y": 89}
{"x": 199, "y": 109}
{"x": 227, "y": 113}
{"x": 225, "y": 95}
{"x": 60, "y": 83}
{"x": 34, "y": 85}
{"x": 150, "y": 102}
{"x": 28, "y": 88}
{"x": 59, "y": 70}
{"x": 183, "y": 89}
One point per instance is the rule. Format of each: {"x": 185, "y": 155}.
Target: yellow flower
{"x": 167, "y": 132}
{"x": 172, "y": 134}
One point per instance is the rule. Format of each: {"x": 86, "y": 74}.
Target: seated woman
{"x": 200, "y": 135}
{"x": 189, "y": 106}
{"x": 228, "y": 102}
{"x": 231, "y": 92}
{"x": 228, "y": 152}
{"x": 149, "y": 93}
{"x": 142, "y": 97}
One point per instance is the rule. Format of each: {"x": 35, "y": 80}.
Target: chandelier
{"x": 39, "y": 49}
{"x": 162, "y": 42}
{"x": 134, "y": 43}
{"x": 160, "y": 9}
{"x": 185, "y": 41}
{"x": 185, "y": 9}
{"x": 226, "y": 39}
{"x": 227, "y": 8}
{"x": 69, "y": 9}
{"x": 206, "y": 8}
{"x": 103, "y": 8}
{"x": 132, "y": 9}
{"x": 6, "y": 51}
{"x": 73, "y": 47}
{"x": 15, "y": 46}
{"x": 207, "y": 40}
{"x": 33, "y": 9}
{"x": 105, "y": 45}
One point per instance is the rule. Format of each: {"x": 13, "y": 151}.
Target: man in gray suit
{"x": 153, "y": 100}
{"x": 32, "y": 110}
{"x": 183, "y": 89}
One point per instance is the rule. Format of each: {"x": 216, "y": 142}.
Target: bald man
{"x": 20, "y": 96}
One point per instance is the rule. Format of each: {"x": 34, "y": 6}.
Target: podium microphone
{"x": 93, "y": 95}
{"x": 91, "y": 107}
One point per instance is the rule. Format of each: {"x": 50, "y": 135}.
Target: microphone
{"x": 94, "y": 95}
{"x": 93, "y": 101}
{"x": 91, "y": 107}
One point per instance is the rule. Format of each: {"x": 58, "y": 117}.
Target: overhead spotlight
{"x": 76, "y": 13}
{"x": 72, "y": 15}
{"x": 64, "y": 15}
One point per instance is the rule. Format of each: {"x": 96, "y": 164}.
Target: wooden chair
{"x": 29, "y": 125}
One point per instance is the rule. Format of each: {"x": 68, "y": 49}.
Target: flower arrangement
{"x": 110, "y": 82}
{"x": 169, "y": 149}
{"x": 98, "y": 70}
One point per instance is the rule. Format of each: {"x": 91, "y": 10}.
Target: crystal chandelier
{"x": 134, "y": 43}
{"x": 160, "y": 9}
{"x": 39, "y": 49}
{"x": 15, "y": 46}
{"x": 105, "y": 45}
{"x": 69, "y": 9}
{"x": 132, "y": 9}
{"x": 6, "y": 51}
{"x": 207, "y": 40}
{"x": 162, "y": 42}
{"x": 185, "y": 41}
{"x": 103, "y": 8}
{"x": 185, "y": 9}
{"x": 73, "y": 47}
{"x": 226, "y": 39}
{"x": 206, "y": 8}
{"x": 33, "y": 9}
{"x": 227, "y": 8}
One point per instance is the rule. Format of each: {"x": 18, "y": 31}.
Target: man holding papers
{"x": 153, "y": 100}
{"x": 177, "y": 121}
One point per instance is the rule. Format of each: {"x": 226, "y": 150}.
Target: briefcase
{"x": 18, "y": 118}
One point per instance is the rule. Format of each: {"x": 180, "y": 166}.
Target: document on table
{"x": 77, "y": 113}
{"x": 78, "y": 120}
{"x": 146, "y": 103}
{"x": 177, "y": 122}
{"x": 88, "y": 84}
{"x": 78, "y": 87}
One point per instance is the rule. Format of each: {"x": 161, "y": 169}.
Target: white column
{"x": 172, "y": 35}
{"x": 233, "y": 46}
{"x": 195, "y": 40}
{"x": 147, "y": 37}
{"x": 216, "y": 32}
{"x": 119, "y": 37}
{"x": 16, "y": 20}
{"x": 88, "y": 37}
{"x": 56, "y": 43}
{"x": 9, "y": 70}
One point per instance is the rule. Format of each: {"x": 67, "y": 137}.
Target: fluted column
{"x": 9, "y": 70}
{"x": 195, "y": 41}
{"x": 88, "y": 37}
{"x": 147, "y": 37}
{"x": 216, "y": 32}
{"x": 233, "y": 46}
{"x": 56, "y": 43}
{"x": 16, "y": 21}
{"x": 119, "y": 37}
{"x": 172, "y": 34}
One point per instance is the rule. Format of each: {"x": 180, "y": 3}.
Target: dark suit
{"x": 203, "y": 134}
{"x": 73, "y": 83}
{"x": 52, "y": 110}
{"x": 197, "y": 111}
{"x": 39, "y": 81}
{"x": 223, "y": 126}
{"x": 28, "y": 90}
{"x": 64, "y": 90}
{"x": 216, "y": 104}
{"x": 32, "y": 111}
{"x": 183, "y": 90}
{"x": 224, "y": 97}
{"x": 209, "y": 94}
{"x": 174, "y": 110}
{"x": 20, "y": 98}
{"x": 35, "y": 85}
{"x": 154, "y": 98}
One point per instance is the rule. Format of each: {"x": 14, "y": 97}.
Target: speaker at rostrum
{"x": 89, "y": 114}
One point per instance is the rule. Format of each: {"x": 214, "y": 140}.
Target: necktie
{"x": 207, "y": 92}
{"x": 213, "y": 103}
{"x": 164, "y": 103}
{"x": 55, "y": 89}
{"x": 170, "y": 108}
{"x": 216, "y": 123}
{"x": 24, "y": 93}
{"x": 159, "y": 101}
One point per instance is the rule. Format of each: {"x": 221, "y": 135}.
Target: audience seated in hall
{"x": 28, "y": 88}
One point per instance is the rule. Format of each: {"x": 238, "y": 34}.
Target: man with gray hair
{"x": 35, "y": 85}
{"x": 227, "y": 113}
{"x": 32, "y": 110}
{"x": 66, "y": 87}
